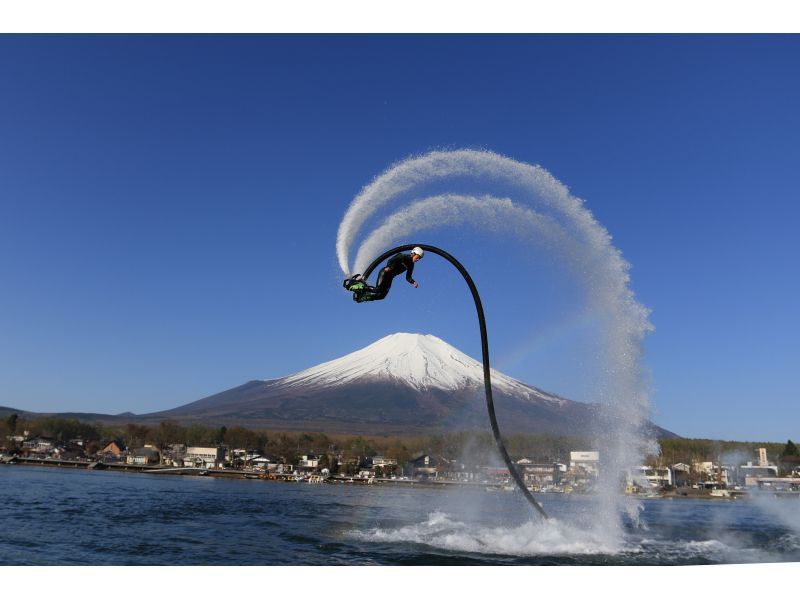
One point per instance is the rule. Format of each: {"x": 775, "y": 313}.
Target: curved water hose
{"x": 484, "y": 348}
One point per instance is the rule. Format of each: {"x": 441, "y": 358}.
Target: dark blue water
{"x": 76, "y": 517}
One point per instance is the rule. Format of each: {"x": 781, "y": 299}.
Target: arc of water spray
{"x": 489, "y": 211}
{"x": 567, "y": 227}
{"x": 408, "y": 174}
{"x": 487, "y": 378}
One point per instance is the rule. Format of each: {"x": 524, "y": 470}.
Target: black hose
{"x": 484, "y": 348}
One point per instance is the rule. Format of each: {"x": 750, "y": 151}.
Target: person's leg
{"x": 382, "y": 286}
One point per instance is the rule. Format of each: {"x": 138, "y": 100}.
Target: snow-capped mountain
{"x": 401, "y": 384}
{"x": 423, "y": 362}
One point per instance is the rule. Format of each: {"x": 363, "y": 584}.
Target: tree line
{"x": 465, "y": 446}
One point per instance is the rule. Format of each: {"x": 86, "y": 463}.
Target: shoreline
{"x": 678, "y": 493}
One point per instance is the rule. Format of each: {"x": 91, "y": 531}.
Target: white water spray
{"x": 541, "y": 210}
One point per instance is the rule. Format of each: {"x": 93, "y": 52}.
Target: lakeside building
{"x": 203, "y": 456}
{"x": 173, "y": 455}
{"x": 307, "y": 463}
{"x": 115, "y": 448}
{"x": 381, "y": 461}
{"x": 148, "y": 455}
{"x": 587, "y": 462}
{"x": 383, "y": 464}
{"x": 713, "y": 474}
{"x": 427, "y": 466}
{"x": 68, "y": 451}
{"x": 241, "y": 458}
{"x": 681, "y": 474}
{"x": 264, "y": 463}
{"x": 791, "y": 484}
{"x": 748, "y": 474}
{"x": 541, "y": 474}
{"x": 39, "y": 444}
{"x": 655, "y": 477}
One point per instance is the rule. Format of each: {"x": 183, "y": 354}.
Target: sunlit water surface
{"x": 66, "y": 517}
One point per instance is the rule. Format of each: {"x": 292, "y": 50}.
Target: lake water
{"x": 77, "y": 517}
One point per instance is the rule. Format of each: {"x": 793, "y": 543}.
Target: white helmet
{"x": 418, "y": 251}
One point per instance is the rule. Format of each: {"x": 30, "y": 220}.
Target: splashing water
{"x": 535, "y": 208}
{"x": 557, "y": 541}
{"x": 443, "y": 531}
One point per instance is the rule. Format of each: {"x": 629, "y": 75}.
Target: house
{"x": 173, "y": 454}
{"x": 777, "y": 484}
{"x": 462, "y": 472}
{"x": 242, "y": 458}
{"x": 264, "y": 463}
{"x": 540, "y": 474}
{"x": 584, "y": 462}
{"x": 659, "y": 477}
{"x": 144, "y": 456}
{"x": 681, "y": 474}
{"x": 115, "y": 448}
{"x": 307, "y": 463}
{"x": 366, "y": 473}
{"x": 713, "y": 474}
{"x": 496, "y": 475}
{"x": 381, "y": 461}
{"x": 383, "y": 466}
{"x": 68, "y": 452}
{"x": 206, "y": 457}
{"x": 749, "y": 473}
{"x": 39, "y": 444}
{"x": 427, "y": 466}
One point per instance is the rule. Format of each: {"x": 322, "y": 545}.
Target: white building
{"x": 201, "y": 456}
{"x": 308, "y": 462}
{"x": 654, "y": 476}
{"x": 264, "y": 463}
{"x": 748, "y": 473}
{"x": 763, "y": 469}
{"x": 713, "y": 473}
{"x": 681, "y": 474}
{"x": 40, "y": 444}
{"x": 381, "y": 461}
{"x": 541, "y": 474}
{"x": 584, "y": 461}
{"x": 148, "y": 455}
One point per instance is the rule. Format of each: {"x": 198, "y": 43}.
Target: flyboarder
{"x": 401, "y": 262}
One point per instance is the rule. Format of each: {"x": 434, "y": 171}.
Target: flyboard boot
{"x": 360, "y": 289}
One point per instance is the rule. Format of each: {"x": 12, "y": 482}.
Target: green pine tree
{"x": 790, "y": 450}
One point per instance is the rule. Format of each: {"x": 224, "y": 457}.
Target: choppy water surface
{"x": 65, "y": 517}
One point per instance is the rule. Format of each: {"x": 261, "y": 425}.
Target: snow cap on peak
{"x": 422, "y": 361}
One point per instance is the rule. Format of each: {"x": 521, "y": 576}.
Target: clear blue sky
{"x": 169, "y": 206}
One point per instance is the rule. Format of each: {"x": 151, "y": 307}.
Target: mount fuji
{"x": 401, "y": 384}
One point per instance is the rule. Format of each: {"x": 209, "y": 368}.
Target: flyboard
{"x": 362, "y": 292}
{"x": 359, "y": 287}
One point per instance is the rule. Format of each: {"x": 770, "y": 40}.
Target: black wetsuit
{"x": 402, "y": 262}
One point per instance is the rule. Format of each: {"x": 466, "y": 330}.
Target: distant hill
{"x": 89, "y": 417}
